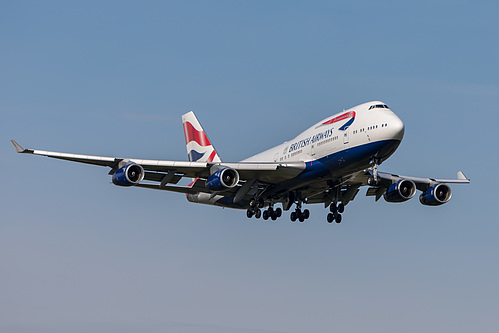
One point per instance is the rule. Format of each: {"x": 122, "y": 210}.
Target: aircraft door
{"x": 346, "y": 136}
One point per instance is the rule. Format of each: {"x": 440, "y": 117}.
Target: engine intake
{"x": 436, "y": 195}
{"x": 400, "y": 191}
{"x": 129, "y": 175}
{"x": 222, "y": 179}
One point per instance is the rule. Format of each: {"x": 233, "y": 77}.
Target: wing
{"x": 162, "y": 172}
{"x": 422, "y": 184}
{"x": 346, "y": 188}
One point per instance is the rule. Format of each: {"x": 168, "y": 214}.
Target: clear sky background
{"x": 113, "y": 78}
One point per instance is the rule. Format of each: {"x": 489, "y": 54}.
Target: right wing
{"x": 170, "y": 172}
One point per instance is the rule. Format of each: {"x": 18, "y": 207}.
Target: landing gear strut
{"x": 298, "y": 214}
{"x": 254, "y": 203}
{"x": 373, "y": 179}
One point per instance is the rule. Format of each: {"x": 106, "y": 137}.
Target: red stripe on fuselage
{"x": 340, "y": 118}
{"x": 192, "y": 134}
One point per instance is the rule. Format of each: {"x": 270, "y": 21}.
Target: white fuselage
{"x": 339, "y": 145}
{"x": 320, "y": 140}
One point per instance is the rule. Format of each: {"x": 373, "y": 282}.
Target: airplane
{"x": 326, "y": 164}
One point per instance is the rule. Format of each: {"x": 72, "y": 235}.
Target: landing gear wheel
{"x": 273, "y": 216}
{"x": 332, "y": 208}
{"x": 278, "y": 212}
{"x": 330, "y": 218}
{"x": 293, "y": 216}
{"x": 306, "y": 214}
{"x": 341, "y": 208}
{"x": 338, "y": 218}
{"x": 249, "y": 213}
{"x": 301, "y": 218}
{"x": 261, "y": 203}
{"x": 266, "y": 215}
{"x": 258, "y": 213}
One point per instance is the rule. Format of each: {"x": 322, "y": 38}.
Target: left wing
{"x": 398, "y": 188}
{"x": 423, "y": 183}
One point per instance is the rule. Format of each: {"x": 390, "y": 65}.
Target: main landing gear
{"x": 299, "y": 215}
{"x": 255, "y": 210}
{"x": 335, "y": 214}
{"x": 272, "y": 213}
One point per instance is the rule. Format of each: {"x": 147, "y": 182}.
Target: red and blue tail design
{"x": 199, "y": 147}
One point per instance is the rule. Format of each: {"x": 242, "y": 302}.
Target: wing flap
{"x": 160, "y": 177}
{"x": 197, "y": 187}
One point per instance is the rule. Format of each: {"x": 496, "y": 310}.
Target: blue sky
{"x": 113, "y": 78}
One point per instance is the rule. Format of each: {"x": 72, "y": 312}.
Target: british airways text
{"x": 312, "y": 139}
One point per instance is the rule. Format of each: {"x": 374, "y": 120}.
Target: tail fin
{"x": 199, "y": 147}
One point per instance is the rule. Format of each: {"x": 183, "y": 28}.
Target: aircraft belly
{"x": 358, "y": 158}
{"x": 333, "y": 166}
{"x": 341, "y": 163}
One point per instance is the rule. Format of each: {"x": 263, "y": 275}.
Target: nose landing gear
{"x": 373, "y": 179}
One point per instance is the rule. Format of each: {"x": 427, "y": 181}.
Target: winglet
{"x": 461, "y": 176}
{"x": 20, "y": 149}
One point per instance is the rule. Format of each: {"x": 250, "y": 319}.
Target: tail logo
{"x": 192, "y": 134}
{"x": 199, "y": 147}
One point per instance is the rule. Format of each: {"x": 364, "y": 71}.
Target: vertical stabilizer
{"x": 199, "y": 147}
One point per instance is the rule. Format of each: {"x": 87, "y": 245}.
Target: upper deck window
{"x": 379, "y": 106}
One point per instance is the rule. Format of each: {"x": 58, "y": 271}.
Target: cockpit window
{"x": 379, "y": 106}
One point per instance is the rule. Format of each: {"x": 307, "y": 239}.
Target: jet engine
{"x": 436, "y": 195}
{"x": 222, "y": 179}
{"x": 400, "y": 191}
{"x": 129, "y": 175}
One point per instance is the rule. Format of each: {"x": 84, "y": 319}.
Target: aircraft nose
{"x": 397, "y": 128}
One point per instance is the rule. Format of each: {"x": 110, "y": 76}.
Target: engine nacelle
{"x": 222, "y": 179}
{"x": 129, "y": 175}
{"x": 400, "y": 191}
{"x": 436, "y": 195}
